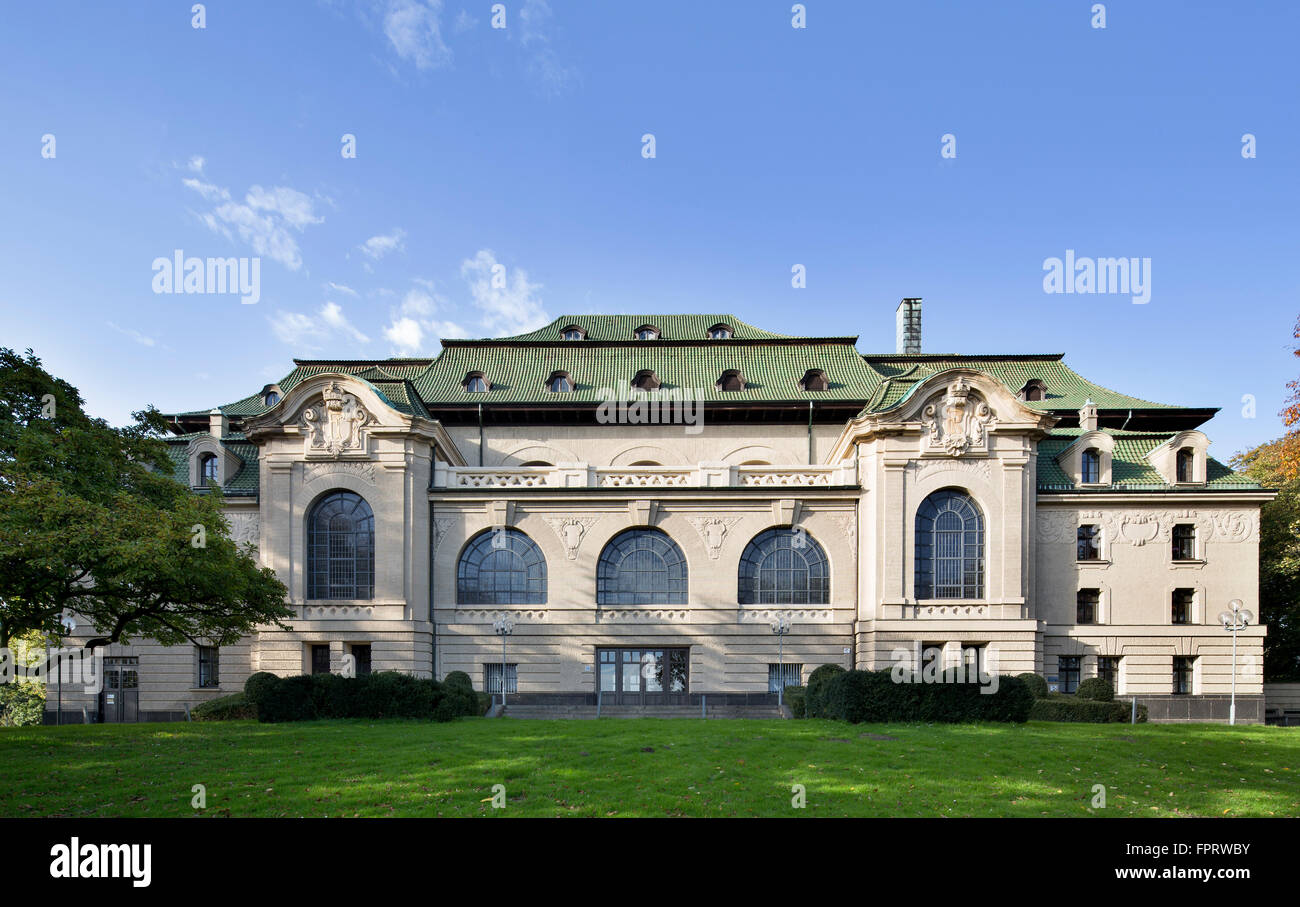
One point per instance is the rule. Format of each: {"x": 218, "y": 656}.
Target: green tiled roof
{"x": 1066, "y": 388}
{"x": 1130, "y": 469}
{"x": 771, "y": 373}
{"x": 621, "y": 327}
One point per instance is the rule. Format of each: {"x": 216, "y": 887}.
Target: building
{"x": 645, "y": 497}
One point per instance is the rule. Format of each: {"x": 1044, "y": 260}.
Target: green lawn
{"x": 648, "y": 767}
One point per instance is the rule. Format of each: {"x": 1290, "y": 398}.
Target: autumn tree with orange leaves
{"x": 1290, "y": 465}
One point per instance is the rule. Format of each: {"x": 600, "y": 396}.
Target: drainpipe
{"x": 480, "y": 440}
{"x": 810, "y": 440}
{"x": 1125, "y": 425}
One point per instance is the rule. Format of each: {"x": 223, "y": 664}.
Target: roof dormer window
{"x": 1034, "y": 391}
{"x": 208, "y": 468}
{"x": 647, "y": 332}
{"x": 1186, "y": 465}
{"x": 721, "y": 332}
{"x": 475, "y": 383}
{"x": 573, "y": 332}
{"x": 646, "y": 380}
{"x": 559, "y": 383}
{"x": 270, "y": 395}
{"x": 731, "y": 380}
{"x": 814, "y": 380}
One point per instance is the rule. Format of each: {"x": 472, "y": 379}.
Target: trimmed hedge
{"x": 1037, "y": 684}
{"x": 1095, "y": 689}
{"x": 796, "y": 698}
{"x": 858, "y": 696}
{"x": 257, "y": 684}
{"x": 816, "y": 690}
{"x": 234, "y": 707}
{"x": 1068, "y": 708}
{"x": 384, "y": 694}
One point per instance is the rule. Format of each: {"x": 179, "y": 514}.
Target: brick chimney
{"x": 908, "y": 318}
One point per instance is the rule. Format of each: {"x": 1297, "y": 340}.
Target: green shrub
{"x": 1036, "y": 683}
{"x": 1095, "y": 689}
{"x": 796, "y": 699}
{"x": 458, "y": 678}
{"x": 858, "y": 696}
{"x": 385, "y": 694}
{"x": 257, "y": 686}
{"x": 1069, "y": 708}
{"x": 234, "y": 707}
{"x": 816, "y": 689}
{"x": 288, "y": 699}
{"x": 21, "y": 704}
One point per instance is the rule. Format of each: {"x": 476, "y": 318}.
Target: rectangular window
{"x": 1088, "y": 606}
{"x": 1182, "y": 606}
{"x": 320, "y": 659}
{"x": 1183, "y": 665}
{"x": 361, "y": 658}
{"x": 1108, "y": 670}
{"x": 492, "y": 677}
{"x": 1089, "y": 548}
{"x": 780, "y": 676}
{"x": 209, "y": 663}
{"x": 1067, "y": 668}
{"x": 1185, "y": 542}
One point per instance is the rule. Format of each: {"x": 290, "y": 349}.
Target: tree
{"x": 1290, "y": 445}
{"x": 93, "y": 522}
{"x": 1279, "y": 558}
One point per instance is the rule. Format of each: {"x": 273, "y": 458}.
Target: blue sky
{"x": 774, "y": 146}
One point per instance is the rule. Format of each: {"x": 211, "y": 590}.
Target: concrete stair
{"x": 564, "y": 711}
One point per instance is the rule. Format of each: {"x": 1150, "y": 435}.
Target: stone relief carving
{"x": 483, "y": 616}
{"x": 642, "y": 615}
{"x": 959, "y": 423}
{"x": 849, "y": 526}
{"x": 363, "y": 471}
{"x": 713, "y": 530}
{"x": 335, "y": 426}
{"x": 440, "y": 528}
{"x": 245, "y": 528}
{"x": 980, "y": 469}
{"x": 571, "y": 531}
{"x": 750, "y": 615}
{"x": 1236, "y": 526}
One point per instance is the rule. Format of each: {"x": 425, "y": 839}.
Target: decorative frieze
{"x": 788, "y": 477}
{"x": 245, "y": 528}
{"x": 642, "y": 615}
{"x": 1139, "y": 528}
{"x": 978, "y": 469}
{"x": 491, "y": 616}
{"x": 363, "y": 471}
{"x": 751, "y": 615}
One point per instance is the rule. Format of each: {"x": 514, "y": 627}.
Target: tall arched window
{"x": 783, "y": 567}
{"x": 641, "y": 567}
{"x": 341, "y": 548}
{"x": 501, "y": 567}
{"x": 949, "y": 547}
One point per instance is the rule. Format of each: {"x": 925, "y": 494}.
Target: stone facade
{"x": 436, "y": 475}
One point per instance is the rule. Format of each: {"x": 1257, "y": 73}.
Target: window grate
{"x": 780, "y": 676}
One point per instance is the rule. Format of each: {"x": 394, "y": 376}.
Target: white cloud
{"x": 379, "y": 246}
{"x": 340, "y": 288}
{"x": 133, "y": 334}
{"x": 412, "y": 322}
{"x": 263, "y": 219}
{"x": 196, "y": 163}
{"x": 332, "y": 314}
{"x": 543, "y": 62}
{"x": 308, "y": 331}
{"x": 413, "y": 29}
{"x": 464, "y": 22}
{"x": 507, "y": 300}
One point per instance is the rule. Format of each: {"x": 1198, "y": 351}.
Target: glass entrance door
{"x": 120, "y": 697}
{"x": 644, "y": 676}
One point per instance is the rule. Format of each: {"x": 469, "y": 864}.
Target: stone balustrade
{"x": 584, "y": 475}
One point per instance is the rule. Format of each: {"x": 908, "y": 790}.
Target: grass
{"x": 648, "y": 767}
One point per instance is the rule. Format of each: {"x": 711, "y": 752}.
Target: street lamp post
{"x": 1234, "y": 622}
{"x": 780, "y": 627}
{"x": 503, "y": 627}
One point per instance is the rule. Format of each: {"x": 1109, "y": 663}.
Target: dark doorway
{"x": 119, "y": 700}
{"x": 644, "y": 676}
